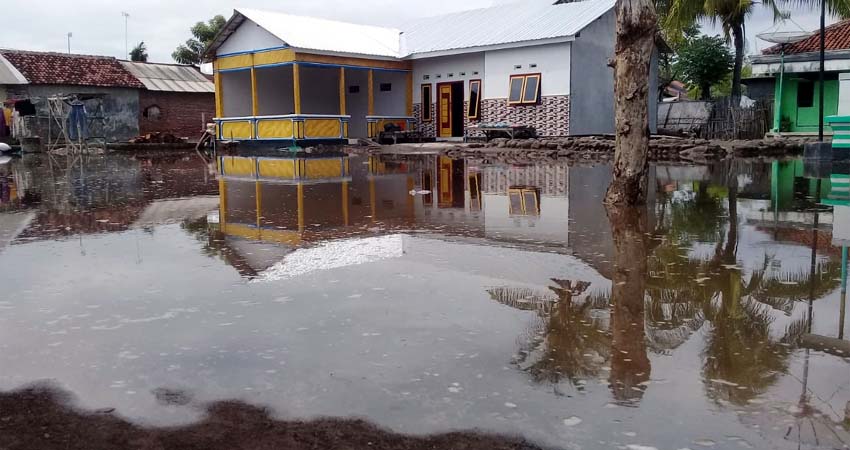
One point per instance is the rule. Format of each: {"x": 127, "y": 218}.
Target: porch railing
{"x": 287, "y": 127}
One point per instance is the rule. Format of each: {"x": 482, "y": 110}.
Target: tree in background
{"x": 732, "y": 14}
{"x": 139, "y": 53}
{"x": 704, "y": 61}
{"x": 192, "y": 52}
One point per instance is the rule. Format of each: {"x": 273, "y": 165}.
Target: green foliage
{"x": 704, "y": 61}
{"x": 139, "y": 53}
{"x": 192, "y": 51}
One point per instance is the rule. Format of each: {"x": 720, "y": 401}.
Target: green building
{"x": 797, "y": 96}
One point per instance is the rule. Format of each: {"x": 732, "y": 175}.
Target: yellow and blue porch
{"x": 280, "y": 95}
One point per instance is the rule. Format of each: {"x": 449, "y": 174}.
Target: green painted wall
{"x": 806, "y": 119}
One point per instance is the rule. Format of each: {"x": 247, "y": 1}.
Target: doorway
{"x": 450, "y": 109}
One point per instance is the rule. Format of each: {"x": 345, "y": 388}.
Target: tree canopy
{"x": 203, "y": 33}
{"x": 704, "y": 61}
{"x": 139, "y": 53}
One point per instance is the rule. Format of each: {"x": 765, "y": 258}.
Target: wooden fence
{"x": 730, "y": 121}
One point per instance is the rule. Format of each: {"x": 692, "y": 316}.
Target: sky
{"x": 98, "y": 25}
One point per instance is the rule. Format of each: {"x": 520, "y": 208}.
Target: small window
{"x": 532, "y": 66}
{"x": 524, "y": 89}
{"x": 515, "y": 95}
{"x": 518, "y": 66}
{"x": 531, "y": 91}
{"x": 353, "y": 89}
{"x": 426, "y": 103}
{"x": 474, "y": 99}
{"x": 451, "y": 74}
{"x": 426, "y": 77}
{"x": 152, "y": 112}
{"x": 386, "y": 87}
{"x": 805, "y": 94}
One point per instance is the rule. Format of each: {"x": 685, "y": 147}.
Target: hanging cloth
{"x": 77, "y": 121}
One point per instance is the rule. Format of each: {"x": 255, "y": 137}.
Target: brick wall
{"x": 550, "y": 118}
{"x": 180, "y": 112}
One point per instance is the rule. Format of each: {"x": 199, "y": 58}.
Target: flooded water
{"x": 429, "y": 295}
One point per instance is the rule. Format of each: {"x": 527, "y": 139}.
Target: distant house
{"x": 281, "y": 77}
{"x": 123, "y": 99}
{"x": 799, "y": 102}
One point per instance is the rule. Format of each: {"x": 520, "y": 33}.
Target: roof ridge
{"x": 325, "y": 19}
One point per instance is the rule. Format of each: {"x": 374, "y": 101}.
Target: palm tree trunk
{"x": 635, "y": 40}
{"x": 738, "y": 38}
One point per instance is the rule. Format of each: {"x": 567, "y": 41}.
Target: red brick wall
{"x": 180, "y": 112}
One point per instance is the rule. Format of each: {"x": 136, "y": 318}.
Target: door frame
{"x": 449, "y": 84}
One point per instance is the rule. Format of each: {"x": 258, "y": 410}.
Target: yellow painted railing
{"x": 287, "y": 127}
{"x": 284, "y": 169}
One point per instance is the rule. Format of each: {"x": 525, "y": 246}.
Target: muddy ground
{"x": 41, "y": 418}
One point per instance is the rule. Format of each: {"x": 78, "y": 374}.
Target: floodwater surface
{"x": 428, "y": 295}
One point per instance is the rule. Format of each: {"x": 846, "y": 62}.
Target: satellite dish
{"x": 784, "y": 31}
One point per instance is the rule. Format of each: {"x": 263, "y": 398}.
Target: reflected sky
{"x": 430, "y": 294}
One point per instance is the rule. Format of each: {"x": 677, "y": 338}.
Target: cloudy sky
{"x": 98, "y": 26}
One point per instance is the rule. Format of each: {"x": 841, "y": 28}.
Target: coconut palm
{"x": 732, "y": 15}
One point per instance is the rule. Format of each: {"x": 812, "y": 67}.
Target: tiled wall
{"x": 550, "y": 118}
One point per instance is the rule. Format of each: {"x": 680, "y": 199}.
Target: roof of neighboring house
{"x": 837, "y": 37}
{"x": 169, "y": 77}
{"x": 9, "y": 74}
{"x": 321, "y": 34}
{"x": 510, "y": 23}
{"x": 69, "y": 69}
{"x": 530, "y": 21}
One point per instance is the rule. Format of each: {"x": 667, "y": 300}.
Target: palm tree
{"x": 139, "y": 53}
{"x": 732, "y": 15}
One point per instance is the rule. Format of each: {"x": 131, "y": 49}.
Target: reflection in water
{"x": 513, "y": 301}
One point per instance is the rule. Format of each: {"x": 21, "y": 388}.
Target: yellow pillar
{"x": 255, "y": 102}
{"x": 219, "y": 102}
{"x": 345, "y": 202}
{"x": 342, "y": 91}
{"x": 373, "y": 199}
{"x": 300, "y": 207}
{"x": 409, "y": 103}
{"x": 258, "y": 193}
{"x": 296, "y": 88}
{"x": 222, "y": 204}
{"x": 371, "y": 90}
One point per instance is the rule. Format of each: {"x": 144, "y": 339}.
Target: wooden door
{"x": 445, "y": 105}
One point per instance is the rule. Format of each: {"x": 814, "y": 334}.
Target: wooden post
{"x": 258, "y": 193}
{"x": 342, "y": 91}
{"x": 371, "y": 90}
{"x": 300, "y": 207}
{"x": 222, "y": 203}
{"x": 635, "y": 41}
{"x": 409, "y": 103}
{"x": 255, "y": 102}
{"x": 218, "y": 99}
{"x": 296, "y": 88}
{"x": 345, "y": 217}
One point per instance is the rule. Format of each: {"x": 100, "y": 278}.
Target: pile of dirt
{"x": 157, "y": 138}
{"x": 40, "y": 418}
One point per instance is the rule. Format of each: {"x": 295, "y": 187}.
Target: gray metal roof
{"x": 169, "y": 77}
{"x": 527, "y": 21}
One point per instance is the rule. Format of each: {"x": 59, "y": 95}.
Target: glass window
{"x": 532, "y": 89}
{"x": 427, "y": 115}
{"x": 515, "y": 95}
{"x": 805, "y": 94}
{"x": 386, "y": 87}
{"x": 474, "y": 99}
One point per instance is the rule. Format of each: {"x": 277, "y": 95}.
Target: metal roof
{"x": 9, "y": 74}
{"x": 327, "y": 35}
{"x": 169, "y": 77}
{"x": 510, "y": 23}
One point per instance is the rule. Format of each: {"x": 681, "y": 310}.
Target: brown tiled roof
{"x": 77, "y": 70}
{"x": 837, "y": 37}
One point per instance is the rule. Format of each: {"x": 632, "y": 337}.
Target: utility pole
{"x": 820, "y": 72}
{"x": 126, "y": 42}
{"x": 70, "y": 35}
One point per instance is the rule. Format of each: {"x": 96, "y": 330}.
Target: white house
{"x": 281, "y": 77}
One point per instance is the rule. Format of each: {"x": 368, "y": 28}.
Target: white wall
{"x": 552, "y": 226}
{"x": 468, "y": 64}
{"x": 553, "y": 62}
{"x": 275, "y": 90}
{"x": 319, "y": 90}
{"x": 390, "y": 103}
{"x": 249, "y": 37}
{"x": 236, "y": 93}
